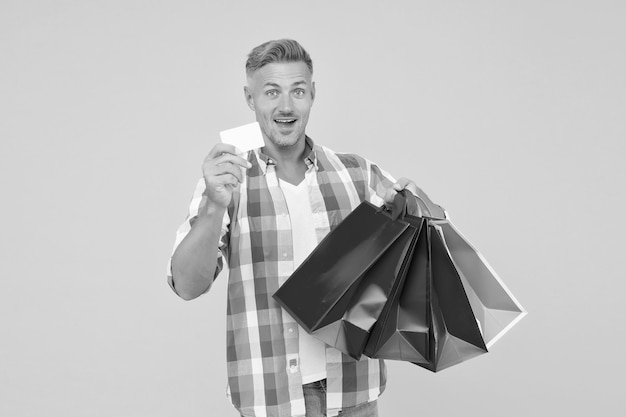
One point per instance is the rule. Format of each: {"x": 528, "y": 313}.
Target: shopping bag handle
{"x": 404, "y": 204}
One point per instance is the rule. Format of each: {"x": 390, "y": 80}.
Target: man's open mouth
{"x": 285, "y": 122}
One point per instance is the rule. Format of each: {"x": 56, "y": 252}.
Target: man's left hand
{"x": 425, "y": 205}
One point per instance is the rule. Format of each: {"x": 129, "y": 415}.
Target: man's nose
{"x": 286, "y": 104}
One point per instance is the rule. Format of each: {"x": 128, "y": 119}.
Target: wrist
{"x": 209, "y": 208}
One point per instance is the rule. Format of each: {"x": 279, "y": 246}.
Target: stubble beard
{"x": 284, "y": 142}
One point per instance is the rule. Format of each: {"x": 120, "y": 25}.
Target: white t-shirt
{"x": 312, "y": 350}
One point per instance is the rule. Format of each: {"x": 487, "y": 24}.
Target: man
{"x": 264, "y": 212}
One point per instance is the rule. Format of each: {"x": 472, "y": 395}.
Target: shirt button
{"x": 291, "y": 330}
{"x": 284, "y": 254}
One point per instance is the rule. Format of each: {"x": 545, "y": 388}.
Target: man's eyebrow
{"x": 273, "y": 84}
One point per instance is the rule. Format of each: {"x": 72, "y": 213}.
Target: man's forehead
{"x": 281, "y": 73}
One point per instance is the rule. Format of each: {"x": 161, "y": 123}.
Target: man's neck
{"x": 290, "y": 165}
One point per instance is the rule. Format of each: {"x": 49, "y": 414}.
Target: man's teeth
{"x": 285, "y": 121}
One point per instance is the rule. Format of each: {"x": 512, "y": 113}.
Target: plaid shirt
{"x": 262, "y": 339}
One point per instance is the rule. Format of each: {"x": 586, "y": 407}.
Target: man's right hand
{"x": 223, "y": 170}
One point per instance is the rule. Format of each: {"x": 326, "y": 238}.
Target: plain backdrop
{"x": 510, "y": 114}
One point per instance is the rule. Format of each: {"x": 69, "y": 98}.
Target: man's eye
{"x": 271, "y": 93}
{"x": 299, "y": 92}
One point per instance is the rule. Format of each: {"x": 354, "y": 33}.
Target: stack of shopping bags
{"x": 388, "y": 284}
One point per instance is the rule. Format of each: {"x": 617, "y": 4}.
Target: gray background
{"x": 509, "y": 114}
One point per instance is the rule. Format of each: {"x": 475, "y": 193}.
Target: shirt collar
{"x": 310, "y": 156}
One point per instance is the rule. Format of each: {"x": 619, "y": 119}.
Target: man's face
{"x": 281, "y": 95}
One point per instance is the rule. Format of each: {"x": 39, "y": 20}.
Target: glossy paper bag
{"x": 493, "y": 304}
{"x": 321, "y": 290}
{"x": 456, "y": 336}
{"x": 403, "y": 329}
{"x": 339, "y": 291}
{"x": 351, "y": 332}
{"x": 428, "y": 319}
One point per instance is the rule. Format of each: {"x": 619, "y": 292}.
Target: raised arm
{"x": 194, "y": 264}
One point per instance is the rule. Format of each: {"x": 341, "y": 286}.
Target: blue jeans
{"x": 315, "y": 402}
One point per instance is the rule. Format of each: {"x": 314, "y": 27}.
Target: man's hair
{"x": 282, "y": 50}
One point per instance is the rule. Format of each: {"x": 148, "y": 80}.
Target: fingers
{"x": 402, "y": 184}
{"x": 226, "y": 169}
{"x": 223, "y": 166}
{"x": 406, "y": 184}
{"x": 423, "y": 201}
{"x": 225, "y": 157}
{"x": 226, "y": 180}
{"x": 223, "y": 170}
{"x": 221, "y": 148}
{"x": 223, "y": 160}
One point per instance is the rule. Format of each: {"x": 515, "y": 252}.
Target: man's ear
{"x": 249, "y": 99}
{"x": 313, "y": 91}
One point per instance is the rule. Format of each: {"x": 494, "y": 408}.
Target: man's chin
{"x": 285, "y": 142}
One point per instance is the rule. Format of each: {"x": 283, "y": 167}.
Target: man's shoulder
{"x": 347, "y": 159}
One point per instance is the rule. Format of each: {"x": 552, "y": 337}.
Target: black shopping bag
{"x": 338, "y": 292}
{"x": 403, "y": 329}
{"x": 427, "y": 319}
